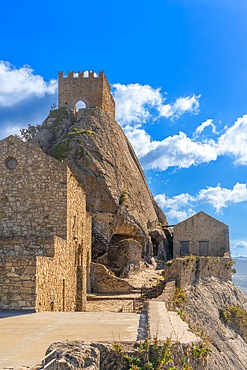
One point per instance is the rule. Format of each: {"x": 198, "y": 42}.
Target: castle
{"x": 93, "y": 90}
{"x": 45, "y": 230}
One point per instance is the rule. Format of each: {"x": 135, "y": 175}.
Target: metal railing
{"x": 44, "y": 365}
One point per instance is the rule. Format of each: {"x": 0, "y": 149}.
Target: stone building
{"x": 45, "y": 232}
{"x": 90, "y": 88}
{"x": 201, "y": 235}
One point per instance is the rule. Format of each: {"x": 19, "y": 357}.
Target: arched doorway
{"x": 78, "y": 108}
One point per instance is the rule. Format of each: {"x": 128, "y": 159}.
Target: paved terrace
{"x": 24, "y": 338}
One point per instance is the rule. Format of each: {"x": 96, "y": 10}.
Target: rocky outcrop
{"x": 125, "y": 257}
{"x": 104, "y": 162}
{"x": 124, "y": 356}
{"x": 205, "y": 302}
{"x": 104, "y": 281}
{"x": 86, "y": 355}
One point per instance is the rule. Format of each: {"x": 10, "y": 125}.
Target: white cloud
{"x": 174, "y": 151}
{"x": 179, "y": 216}
{"x": 182, "y": 206}
{"x": 10, "y": 129}
{"x": 134, "y": 101}
{"x": 239, "y": 248}
{"x": 220, "y": 197}
{"x": 207, "y": 123}
{"x": 137, "y": 103}
{"x": 233, "y": 141}
{"x": 189, "y": 104}
{"x": 140, "y": 139}
{"x": 18, "y": 85}
{"x": 182, "y": 151}
{"x": 174, "y": 205}
{"x": 176, "y": 202}
{"x": 178, "y": 151}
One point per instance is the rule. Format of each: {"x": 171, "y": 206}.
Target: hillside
{"x": 98, "y": 153}
{"x": 105, "y": 164}
{"x": 208, "y": 306}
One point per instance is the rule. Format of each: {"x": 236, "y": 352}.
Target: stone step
{"x": 107, "y": 297}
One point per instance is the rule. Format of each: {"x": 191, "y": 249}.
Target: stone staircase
{"x": 99, "y": 234}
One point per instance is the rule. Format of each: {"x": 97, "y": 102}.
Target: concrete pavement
{"x": 24, "y": 338}
{"x": 165, "y": 324}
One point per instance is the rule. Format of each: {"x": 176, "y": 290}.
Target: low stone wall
{"x": 17, "y": 282}
{"x": 104, "y": 281}
{"x": 186, "y": 271}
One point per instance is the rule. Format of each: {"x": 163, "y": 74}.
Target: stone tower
{"x": 93, "y": 90}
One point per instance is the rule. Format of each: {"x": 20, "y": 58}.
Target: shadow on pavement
{"x": 11, "y": 313}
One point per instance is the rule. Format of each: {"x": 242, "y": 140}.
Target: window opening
{"x": 184, "y": 248}
{"x": 203, "y": 248}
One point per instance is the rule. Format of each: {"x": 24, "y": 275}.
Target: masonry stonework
{"x": 92, "y": 89}
{"x": 45, "y": 232}
{"x": 188, "y": 270}
{"x": 203, "y": 235}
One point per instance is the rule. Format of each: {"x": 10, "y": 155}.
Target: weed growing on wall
{"x": 179, "y": 298}
{"x": 156, "y": 355}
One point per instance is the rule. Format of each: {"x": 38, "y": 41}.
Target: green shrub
{"x": 60, "y": 151}
{"x": 179, "y": 298}
{"x": 156, "y": 355}
{"x": 236, "y": 318}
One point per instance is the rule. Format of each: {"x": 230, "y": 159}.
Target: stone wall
{"x": 45, "y": 232}
{"x": 79, "y": 226}
{"x": 56, "y": 279}
{"x": 23, "y": 247}
{"x": 63, "y": 281}
{"x": 201, "y": 228}
{"x": 33, "y": 195}
{"x": 93, "y": 91}
{"x": 108, "y": 103}
{"x": 17, "y": 282}
{"x": 18, "y": 271}
{"x": 188, "y": 270}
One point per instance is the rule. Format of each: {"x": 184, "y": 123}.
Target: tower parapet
{"x": 91, "y": 88}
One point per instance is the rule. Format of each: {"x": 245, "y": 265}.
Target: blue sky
{"x": 178, "y": 71}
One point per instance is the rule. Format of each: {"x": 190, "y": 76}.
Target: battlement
{"x": 83, "y": 74}
{"x": 91, "y": 88}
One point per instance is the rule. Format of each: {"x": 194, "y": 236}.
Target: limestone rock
{"x": 104, "y": 281}
{"x": 86, "y": 355}
{"x": 204, "y": 302}
{"x": 125, "y": 257}
{"x": 105, "y": 164}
